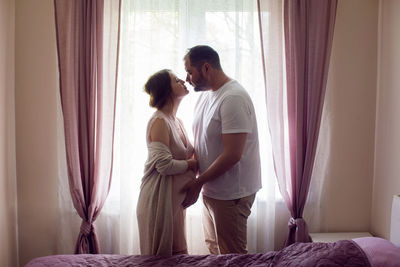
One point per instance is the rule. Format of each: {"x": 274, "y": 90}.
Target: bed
{"x": 365, "y": 252}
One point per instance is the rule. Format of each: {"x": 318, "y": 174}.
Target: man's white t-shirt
{"x": 224, "y": 111}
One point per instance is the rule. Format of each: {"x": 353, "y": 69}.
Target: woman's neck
{"x": 171, "y": 108}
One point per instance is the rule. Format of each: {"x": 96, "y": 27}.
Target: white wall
{"x": 36, "y": 132}
{"x": 8, "y": 191}
{"x": 387, "y": 147}
{"x": 350, "y": 112}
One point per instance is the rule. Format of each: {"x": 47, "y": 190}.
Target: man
{"x": 227, "y": 150}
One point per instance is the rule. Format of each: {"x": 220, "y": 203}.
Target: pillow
{"x": 380, "y": 252}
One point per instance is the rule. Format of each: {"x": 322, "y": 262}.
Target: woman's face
{"x": 179, "y": 89}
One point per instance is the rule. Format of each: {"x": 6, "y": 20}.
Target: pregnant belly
{"x": 178, "y": 182}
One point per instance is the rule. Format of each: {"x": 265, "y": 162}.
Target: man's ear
{"x": 206, "y": 67}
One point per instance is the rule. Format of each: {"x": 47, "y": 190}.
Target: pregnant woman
{"x": 168, "y": 168}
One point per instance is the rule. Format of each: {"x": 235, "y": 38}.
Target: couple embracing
{"x": 225, "y": 158}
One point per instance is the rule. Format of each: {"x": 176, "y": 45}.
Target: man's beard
{"x": 201, "y": 85}
{"x": 199, "y": 88}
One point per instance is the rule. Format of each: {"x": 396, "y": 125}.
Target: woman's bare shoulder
{"x": 159, "y": 131}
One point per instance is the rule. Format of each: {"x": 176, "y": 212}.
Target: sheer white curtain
{"x": 155, "y": 35}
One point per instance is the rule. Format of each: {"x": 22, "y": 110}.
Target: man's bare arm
{"x": 231, "y": 154}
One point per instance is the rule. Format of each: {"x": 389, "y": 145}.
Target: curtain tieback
{"x": 86, "y": 227}
{"x": 296, "y": 223}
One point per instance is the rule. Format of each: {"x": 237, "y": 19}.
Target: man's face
{"x": 195, "y": 77}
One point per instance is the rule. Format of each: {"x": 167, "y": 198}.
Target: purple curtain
{"x": 88, "y": 118}
{"x": 308, "y": 32}
{"x": 301, "y": 32}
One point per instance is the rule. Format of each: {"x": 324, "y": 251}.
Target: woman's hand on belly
{"x": 179, "y": 181}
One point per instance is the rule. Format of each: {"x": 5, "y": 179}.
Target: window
{"x": 154, "y": 36}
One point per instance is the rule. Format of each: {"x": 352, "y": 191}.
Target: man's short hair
{"x": 200, "y": 54}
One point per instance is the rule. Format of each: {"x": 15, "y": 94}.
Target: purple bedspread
{"x": 341, "y": 253}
